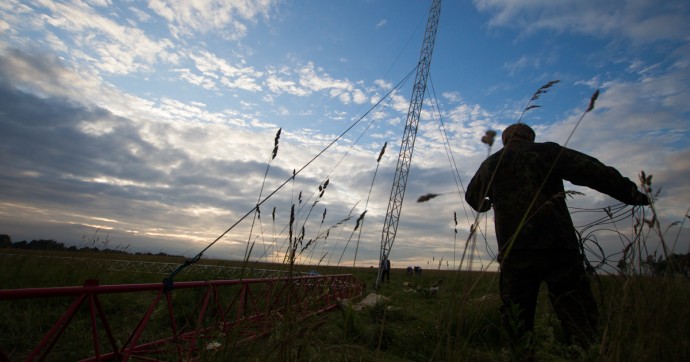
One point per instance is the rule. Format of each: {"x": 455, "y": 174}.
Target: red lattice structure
{"x": 169, "y": 324}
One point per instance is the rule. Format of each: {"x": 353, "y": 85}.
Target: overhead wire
{"x": 455, "y": 169}
{"x": 169, "y": 280}
{"x": 389, "y": 98}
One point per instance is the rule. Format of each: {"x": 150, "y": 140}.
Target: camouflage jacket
{"x": 524, "y": 184}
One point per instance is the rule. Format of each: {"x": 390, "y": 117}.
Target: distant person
{"x": 537, "y": 241}
{"x": 386, "y": 269}
{"x": 409, "y": 270}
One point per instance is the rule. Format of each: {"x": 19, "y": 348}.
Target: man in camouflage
{"x": 537, "y": 241}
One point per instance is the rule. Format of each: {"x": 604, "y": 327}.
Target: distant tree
{"x": 20, "y": 245}
{"x": 46, "y": 245}
{"x": 5, "y": 241}
{"x": 113, "y": 251}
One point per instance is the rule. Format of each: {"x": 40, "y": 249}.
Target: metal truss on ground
{"x": 187, "y": 322}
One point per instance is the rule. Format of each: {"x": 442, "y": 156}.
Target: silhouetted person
{"x": 386, "y": 270}
{"x": 537, "y": 241}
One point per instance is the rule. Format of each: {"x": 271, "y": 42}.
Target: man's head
{"x": 518, "y": 131}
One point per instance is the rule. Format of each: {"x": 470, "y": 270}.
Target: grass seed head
{"x": 383, "y": 150}
{"x": 275, "y": 144}
{"x": 426, "y": 197}
{"x": 592, "y": 100}
{"x": 488, "y": 137}
{"x": 543, "y": 89}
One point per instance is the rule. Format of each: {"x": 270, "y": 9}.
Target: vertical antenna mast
{"x": 390, "y": 225}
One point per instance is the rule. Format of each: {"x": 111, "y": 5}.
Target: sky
{"x": 150, "y": 126}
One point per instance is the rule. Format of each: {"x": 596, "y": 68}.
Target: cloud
{"x": 309, "y": 79}
{"x": 640, "y": 21}
{"x": 84, "y": 165}
{"x": 383, "y": 84}
{"x": 452, "y": 97}
{"x": 114, "y": 48}
{"x": 523, "y": 62}
{"x": 44, "y": 75}
{"x": 164, "y": 174}
{"x": 229, "y": 17}
{"x": 195, "y": 79}
{"x": 359, "y": 97}
{"x": 317, "y": 80}
{"x": 277, "y": 82}
{"x": 215, "y": 69}
{"x": 140, "y": 14}
{"x": 102, "y": 3}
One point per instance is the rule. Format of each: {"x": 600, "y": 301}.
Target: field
{"x": 436, "y": 316}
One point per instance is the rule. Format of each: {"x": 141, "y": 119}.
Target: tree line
{"x": 52, "y": 245}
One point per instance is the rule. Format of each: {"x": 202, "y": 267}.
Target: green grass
{"x": 641, "y": 318}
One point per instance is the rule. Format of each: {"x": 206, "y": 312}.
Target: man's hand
{"x": 485, "y": 205}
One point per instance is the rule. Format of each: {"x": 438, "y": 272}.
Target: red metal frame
{"x": 244, "y": 309}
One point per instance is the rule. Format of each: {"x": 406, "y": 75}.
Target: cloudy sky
{"x": 150, "y": 125}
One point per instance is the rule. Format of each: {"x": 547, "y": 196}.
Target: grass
{"x": 641, "y": 318}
